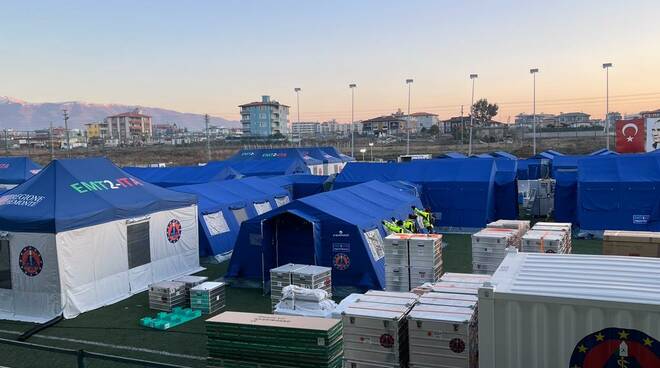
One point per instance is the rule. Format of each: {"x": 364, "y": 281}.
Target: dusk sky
{"x": 210, "y": 56}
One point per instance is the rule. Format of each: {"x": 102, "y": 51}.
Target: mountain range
{"x": 21, "y": 115}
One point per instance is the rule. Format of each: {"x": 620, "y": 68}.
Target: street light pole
{"x": 409, "y": 83}
{"x": 297, "y": 90}
{"x": 607, "y": 67}
{"x": 352, "y": 86}
{"x": 208, "y": 138}
{"x": 473, "y": 77}
{"x": 533, "y": 73}
{"x": 66, "y": 132}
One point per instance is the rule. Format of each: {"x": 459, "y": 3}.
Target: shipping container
{"x": 559, "y": 310}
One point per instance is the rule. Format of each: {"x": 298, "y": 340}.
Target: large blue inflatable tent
{"x": 300, "y": 186}
{"x": 451, "y": 155}
{"x": 16, "y": 170}
{"x": 619, "y": 193}
{"x": 565, "y": 172}
{"x": 268, "y": 167}
{"x": 506, "y": 189}
{"x": 461, "y": 193}
{"x": 315, "y": 165}
{"x": 224, "y": 205}
{"x": 341, "y": 229}
{"x": 184, "y": 175}
{"x": 503, "y": 154}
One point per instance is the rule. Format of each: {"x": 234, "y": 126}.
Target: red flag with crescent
{"x": 630, "y": 136}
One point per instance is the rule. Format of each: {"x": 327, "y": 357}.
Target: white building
{"x": 129, "y": 126}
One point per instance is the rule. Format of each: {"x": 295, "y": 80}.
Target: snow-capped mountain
{"x": 22, "y": 115}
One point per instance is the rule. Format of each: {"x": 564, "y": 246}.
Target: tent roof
{"x": 320, "y": 154}
{"x": 276, "y": 153}
{"x": 268, "y": 167}
{"x": 75, "y": 193}
{"x": 183, "y": 175}
{"x": 452, "y": 155}
{"x": 335, "y": 152}
{"x": 620, "y": 169}
{"x": 504, "y": 154}
{"x": 482, "y": 155}
{"x": 298, "y": 179}
{"x": 16, "y": 170}
{"x": 603, "y": 152}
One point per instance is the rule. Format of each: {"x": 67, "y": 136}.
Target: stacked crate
{"x": 562, "y": 227}
{"x": 375, "y": 335}
{"x": 209, "y": 297}
{"x": 442, "y": 336}
{"x": 313, "y": 277}
{"x": 412, "y": 260}
{"x": 166, "y": 295}
{"x": 521, "y": 226}
{"x": 274, "y": 341}
{"x": 631, "y": 243}
{"x": 489, "y": 248}
{"x": 279, "y": 278}
{"x": 190, "y": 282}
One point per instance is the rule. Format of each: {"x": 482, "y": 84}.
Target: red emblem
{"x": 173, "y": 231}
{"x": 616, "y": 348}
{"x": 386, "y": 341}
{"x": 341, "y": 261}
{"x": 30, "y": 261}
{"x": 631, "y": 136}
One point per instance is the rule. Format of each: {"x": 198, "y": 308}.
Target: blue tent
{"x": 461, "y": 193}
{"x": 451, "y": 155}
{"x": 407, "y": 187}
{"x": 275, "y": 154}
{"x": 75, "y": 193}
{"x": 300, "y": 186}
{"x": 183, "y": 175}
{"x": 341, "y": 229}
{"x": 565, "y": 172}
{"x": 223, "y": 205}
{"x": 534, "y": 168}
{"x": 268, "y": 167}
{"x": 503, "y": 154}
{"x": 602, "y": 152}
{"x": 16, "y": 170}
{"x": 335, "y": 152}
{"x": 619, "y": 193}
{"x": 506, "y": 189}
{"x": 481, "y": 155}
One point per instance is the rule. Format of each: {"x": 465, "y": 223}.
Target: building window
{"x": 262, "y": 116}
{"x": 240, "y": 214}
{"x": 139, "y": 247}
{"x": 5, "y": 265}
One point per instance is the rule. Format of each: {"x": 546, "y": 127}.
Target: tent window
{"x": 375, "y": 242}
{"x": 240, "y": 214}
{"x": 262, "y": 207}
{"x": 5, "y": 265}
{"x": 139, "y": 248}
{"x": 216, "y": 223}
{"x": 281, "y": 201}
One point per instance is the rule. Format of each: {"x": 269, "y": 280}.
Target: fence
{"x": 83, "y": 356}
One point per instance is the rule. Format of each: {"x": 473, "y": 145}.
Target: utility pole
{"x": 208, "y": 139}
{"x": 66, "y": 132}
{"x": 50, "y": 138}
{"x": 462, "y": 129}
{"x": 28, "y": 144}
{"x": 409, "y": 83}
{"x": 607, "y": 67}
{"x": 533, "y": 73}
{"x": 473, "y": 77}
{"x": 297, "y": 90}
{"x": 352, "y": 87}
{"x": 6, "y": 141}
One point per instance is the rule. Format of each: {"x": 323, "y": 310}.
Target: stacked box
{"x": 521, "y": 226}
{"x": 442, "y": 336}
{"x": 545, "y": 241}
{"x": 273, "y": 341}
{"x": 489, "y": 248}
{"x": 631, "y": 243}
{"x": 563, "y": 227}
{"x": 465, "y": 277}
{"x": 412, "y": 260}
{"x": 166, "y": 295}
{"x": 190, "y": 282}
{"x": 449, "y": 300}
{"x": 209, "y": 297}
{"x": 279, "y": 278}
{"x": 313, "y": 277}
{"x": 375, "y": 335}
{"x": 454, "y": 287}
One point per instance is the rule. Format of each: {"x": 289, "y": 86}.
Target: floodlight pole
{"x": 409, "y": 83}
{"x": 297, "y": 90}
{"x": 352, "y": 86}
{"x": 533, "y": 72}
{"x": 473, "y": 77}
{"x": 607, "y": 67}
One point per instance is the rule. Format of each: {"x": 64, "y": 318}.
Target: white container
{"x": 540, "y": 308}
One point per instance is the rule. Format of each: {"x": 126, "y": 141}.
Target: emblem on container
{"x": 616, "y": 348}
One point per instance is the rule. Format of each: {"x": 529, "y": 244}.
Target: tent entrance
{"x": 5, "y": 265}
{"x": 294, "y": 240}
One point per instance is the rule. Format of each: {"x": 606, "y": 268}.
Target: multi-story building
{"x": 329, "y": 127}
{"x": 542, "y": 119}
{"x": 650, "y": 114}
{"x": 264, "y": 118}
{"x": 424, "y": 119}
{"x": 129, "y": 126}
{"x": 572, "y": 118}
{"x": 387, "y": 125}
{"x": 305, "y": 128}
{"x": 97, "y": 130}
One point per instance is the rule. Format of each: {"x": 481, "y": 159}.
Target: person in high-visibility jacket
{"x": 426, "y": 216}
{"x": 410, "y": 224}
{"x": 392, "y": 227}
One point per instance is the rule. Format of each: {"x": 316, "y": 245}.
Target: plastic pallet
{"x": 165, "y": 321}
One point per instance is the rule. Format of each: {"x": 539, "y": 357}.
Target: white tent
{"x": 83, "y": 234}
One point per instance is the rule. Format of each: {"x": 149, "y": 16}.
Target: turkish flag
{"x": 630, "y": 136}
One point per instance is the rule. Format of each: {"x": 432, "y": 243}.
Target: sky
{"x": 209, "y": 56}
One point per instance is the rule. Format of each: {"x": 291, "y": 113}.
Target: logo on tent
{"x": 341, "y": 261}
{"x": 173, "y": 231}
{"x": 30, "y": 261}
{"x": 616, "y": 348}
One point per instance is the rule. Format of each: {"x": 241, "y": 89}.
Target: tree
{"x": 434, "y": 130}
{"x": 484, "y": 112}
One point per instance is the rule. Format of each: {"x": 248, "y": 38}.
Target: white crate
{"x": 449, "y": 299}
{"x": 164, "y": 296}
{"x": 464, "y": 277}
{"x": 541, "y": 241}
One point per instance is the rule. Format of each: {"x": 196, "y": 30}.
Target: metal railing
{"x": 82, "y": 355}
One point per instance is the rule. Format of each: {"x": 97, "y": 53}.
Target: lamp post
{"x": 472, "y": 77}
{"x": 533, "y": 73}
{"x": 371, "y": 151}
{"x": 297, "y": 90}
{"x": 409, "y": 83}
{"x": 352, "y": 86}
{"x": 363, "y": 151}
{"x": 607, "y": 67}
{"x": 65, "y": 113}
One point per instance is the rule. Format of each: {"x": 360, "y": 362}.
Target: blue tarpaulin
{"x": 461, "y": 193}
{"x": 268, "y": 167}
{"x": 341, "y": 229}
{"x": 183, "y": 175}
{"x": 75, "y": 193}
{"x": 619, "y": 193}
{"x": 300, "y": 186}
{"x": 16, "y": 170}
{"x": 219, "y": 204}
